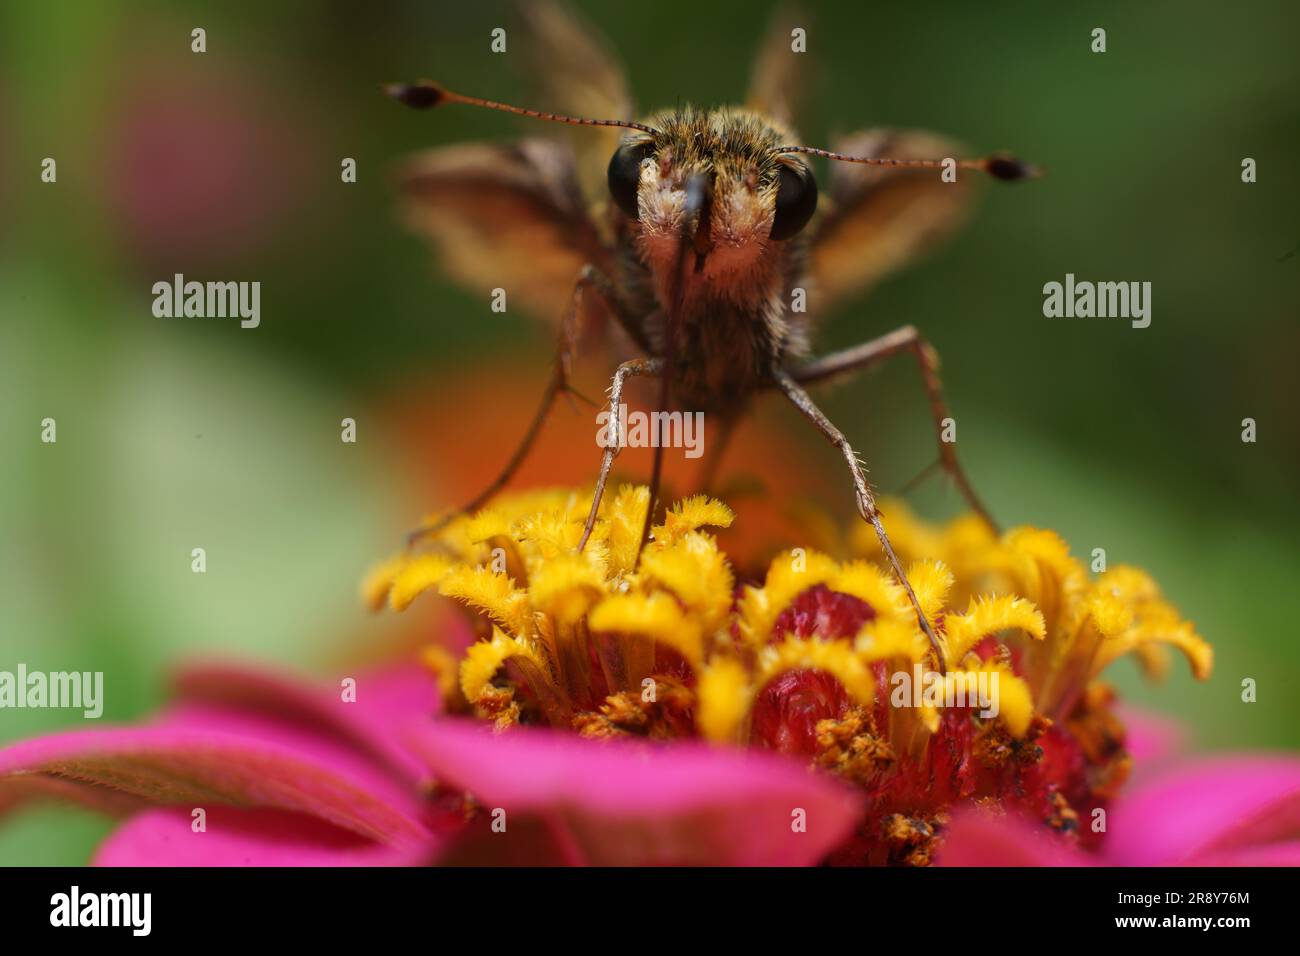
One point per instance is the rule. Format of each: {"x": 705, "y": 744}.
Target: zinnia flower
{"x": 616, "y": 710}
{"x": 821, "y": 662}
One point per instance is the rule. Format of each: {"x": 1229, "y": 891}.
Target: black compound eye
{"x": 796, "y": 201}
{"x": 625, "y": 175}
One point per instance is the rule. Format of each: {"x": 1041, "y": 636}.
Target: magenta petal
{"x": 384, "y": 700}
{"x": 976, "y": 838}
{"x": 1216, "y": 807}
{"x": 618, "y": 803}
{"x": 1286, "y": 853}
{"x": 1149, "y": 737}
{"x": 240, "y": 837}
{"x": 204, "y": 759}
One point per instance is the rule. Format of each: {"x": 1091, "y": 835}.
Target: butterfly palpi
{"x": 695, "y": 231}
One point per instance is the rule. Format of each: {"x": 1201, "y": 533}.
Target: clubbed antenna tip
{"x": 1009, "y": 168}
{"x": 419, "y": 96}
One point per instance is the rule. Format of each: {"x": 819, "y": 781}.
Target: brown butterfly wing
{"x": 575, "y": 72}
{"x": 778, "y": 81}
{"x": 878, "y": 220}
{"x": 505, "y": 215}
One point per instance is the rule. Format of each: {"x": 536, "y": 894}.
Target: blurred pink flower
{"x": 1227, "y": 810}
{"x": 205, "y": 169}
{"x": 291, "y": 775}
{"x": 288, "y": 775}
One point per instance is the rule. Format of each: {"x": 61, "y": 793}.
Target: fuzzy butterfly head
{"x": 719, "y": 179}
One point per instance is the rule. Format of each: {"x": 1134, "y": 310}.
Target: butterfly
{"x": 700, "y": 235}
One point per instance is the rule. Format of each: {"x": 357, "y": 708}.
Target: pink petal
{"x": 1285, "y": 853}
{"x": 201, "y": 758}
{"x": 977, "y": 838}
{"x": 1218, "y": 806}
{"x": 241, "y": 837}
{"x": 618, "y": 802}
{"x": 384, "y": 700}
{"x": 1149, "y": 737}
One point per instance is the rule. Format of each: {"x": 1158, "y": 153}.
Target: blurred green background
{"x": 174, "y": 434}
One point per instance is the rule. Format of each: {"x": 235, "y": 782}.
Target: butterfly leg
{"x": 713, "y": 465}
{"x": 590, "y": 279}
{"x": 801, "y": 400}
{"x": 613, "y": 447}
{"x": 906, "y": 339}
{"x": 710, "y": 472}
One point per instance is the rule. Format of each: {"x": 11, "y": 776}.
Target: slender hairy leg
{"x": 709, "y": 473}
{"x": 866, "y": 502}
{"x": 906, "y": 339}
{"x": 656, "y": 479}
{"x": 613, "y": 447}
{"x": 590, "y": 278}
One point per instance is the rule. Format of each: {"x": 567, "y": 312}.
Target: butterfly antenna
{"x": 999, "y": 166}
{"x": 425, "y": 94}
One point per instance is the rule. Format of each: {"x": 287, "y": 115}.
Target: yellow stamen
{"x": 580, "y": 630}
{"x": 566, "y": 586}
{"x": 655, "y": 616}
{"x": 1175, "y": 633}
{"x": 724, "y": 695}
{"x": 988, "y": 616}
{"x": 1014, "y": 700}
{"x": 895, "y": 641}
{"x": 445, "y": 668}
{"x": 931, "y": 582}
{"x": 874, "y": 586}
{"x": 836, "y": 658}
{"x": 696, "y": 572}
{"x": 621, "y": 525}
{"x": 379, "y": 581}
{"x": 691, "y": 514}
{"x": 417, "y": 575}
{"x": 493, "y": 594}
{"x": 788, "y": 576}
{"x": 485, "y": 658}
